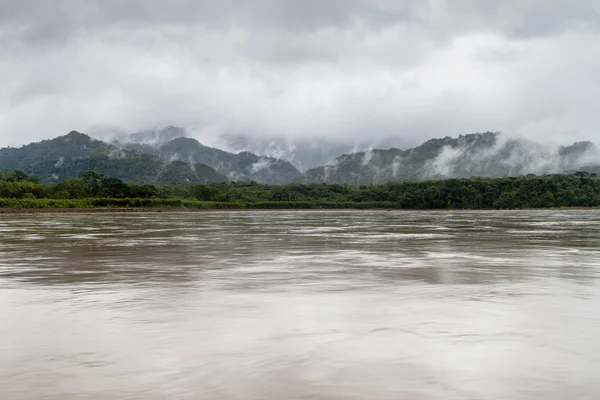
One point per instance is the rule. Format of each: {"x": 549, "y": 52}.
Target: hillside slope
{"x": 480, "y": 154}
{"x": 69, "y": 155}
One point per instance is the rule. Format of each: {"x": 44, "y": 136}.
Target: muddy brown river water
{"x": 300, "y": 305}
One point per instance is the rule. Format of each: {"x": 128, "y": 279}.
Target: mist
{"x": 486, "y": 154}
{"x": 509, "y": 156}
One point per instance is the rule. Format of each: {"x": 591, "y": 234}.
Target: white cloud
{"x": 334, "y": 69}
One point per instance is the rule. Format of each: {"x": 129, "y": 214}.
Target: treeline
{"x": 581, "y": 189}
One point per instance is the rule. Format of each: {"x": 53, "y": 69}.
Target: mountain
{"x": 243, "y": 166}
{"x": 163, "y": 159}
{"x": 480, "y": 154}
{"x": 69, "y": 155}
{"x": 172, "y": 144}
{"x": 303, "y": 153}
{"x": 166, "y": 156}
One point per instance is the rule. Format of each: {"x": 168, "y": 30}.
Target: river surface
{"x": 300, "y": 305}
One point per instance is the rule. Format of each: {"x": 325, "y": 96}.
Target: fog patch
{"x": 367, "y": 156}
{"x": 260, "y": 165}
{"x": 396, "y": 165}
{"x": 116, "y": 153}
{"x": 507, "y": 156}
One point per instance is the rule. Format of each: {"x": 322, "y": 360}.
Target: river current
{"x": 300, "y": 305}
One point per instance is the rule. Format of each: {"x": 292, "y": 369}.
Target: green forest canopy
{"x": 581, "y": 189}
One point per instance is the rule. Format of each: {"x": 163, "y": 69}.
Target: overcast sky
{"x": 354, "y": 69}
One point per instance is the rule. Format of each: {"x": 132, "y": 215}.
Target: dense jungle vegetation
{"x": 581, "y": 189}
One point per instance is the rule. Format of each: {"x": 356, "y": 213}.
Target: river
{"x": 300, "y": 305}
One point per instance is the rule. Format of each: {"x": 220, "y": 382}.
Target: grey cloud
{"x": 345, "y": 69}
{"x": 42, "y": 20}
{"x": 535, "y": 18}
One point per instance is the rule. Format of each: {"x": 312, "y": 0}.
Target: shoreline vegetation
{"x": 93, "y": 192}
{"x": 114, "y": 210}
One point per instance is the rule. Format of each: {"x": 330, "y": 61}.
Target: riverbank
{"x": 176, "y": 204}
{"x": 80, "y": 210}
{"x": 111, "y": 210}
{"x": 114, "y": 210}
{"x": 577, "y": 190}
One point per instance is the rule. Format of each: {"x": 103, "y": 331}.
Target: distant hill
{"x": 175, "y": 160}
{"x": 243, "y": 166}
{"x": 481, "y": 154}
{"x": 303, "y": 153}
{"x": 69, "y": 155}
{"x": 166, "y": 156}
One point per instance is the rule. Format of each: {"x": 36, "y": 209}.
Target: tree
{"x": 203, "y": 193}
{"x": 507, "y": 200}
{"x": 407, "y": 200}
{"x": 19, "y": 176}
{"x": 75, "y": 187}
{"x": 146, "y": 191}
{"x": 115, "y": 188}
{"x": 93, "y": 182}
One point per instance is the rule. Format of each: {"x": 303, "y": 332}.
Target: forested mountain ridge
{"x": 69, "y": 155}
{"x": 243, "y": 166}
{"x": 168, "y": 156}
{"x": 481, "y": 154}
{"x": 177, "y": 160}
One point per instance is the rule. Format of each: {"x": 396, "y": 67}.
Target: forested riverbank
{"x": 581, "y": 189}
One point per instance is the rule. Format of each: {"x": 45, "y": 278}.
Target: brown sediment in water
{"x": 112, "y": 210}
{"x": 144, "y": 210}
{"x": 82, "y": 210}
{"x": 205, "y": 305}
{"x": 176, "y": 210}
{"x": 162, "y": 210}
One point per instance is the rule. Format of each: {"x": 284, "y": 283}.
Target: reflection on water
{"x": 300, "y": 305}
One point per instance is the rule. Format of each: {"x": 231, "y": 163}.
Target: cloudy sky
{"x": 355, "y": 69}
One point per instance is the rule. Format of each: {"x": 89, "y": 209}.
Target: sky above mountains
{"x": 336, "y": 69}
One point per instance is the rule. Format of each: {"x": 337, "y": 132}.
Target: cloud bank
{"x": 336, "y": 69}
